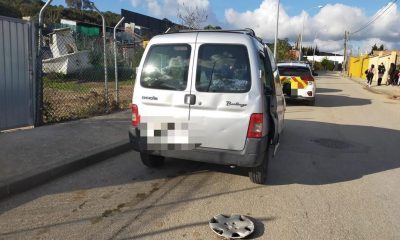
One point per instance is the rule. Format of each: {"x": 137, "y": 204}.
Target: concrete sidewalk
{"x": 391, "y": 91}
{"x": 31, "y": 157}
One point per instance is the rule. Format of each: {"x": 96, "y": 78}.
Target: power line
{"x": 375, "y": 18}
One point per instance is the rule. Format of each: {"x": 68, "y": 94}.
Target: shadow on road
{"x": 316, "y": 153}
{"x": 328, "y": 90}
{"x": 327, "y": 100}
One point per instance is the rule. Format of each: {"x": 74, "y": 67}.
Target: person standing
{"x": 391, "y": 71}
{"x": 396, "y": 74}
{"x": 381, "y": 72}
{"x": 370, "y": 74}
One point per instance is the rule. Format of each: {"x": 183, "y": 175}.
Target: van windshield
{"x": 223, "y": 68}
{"x": 166, "y": 67}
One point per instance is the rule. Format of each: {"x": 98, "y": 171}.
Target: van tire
{"x": 152, "y": 161}
{"x": 259, "y": 174}
{"x": 311, "y": 103}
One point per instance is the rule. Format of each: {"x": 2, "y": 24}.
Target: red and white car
{"x": 298, "y": 81}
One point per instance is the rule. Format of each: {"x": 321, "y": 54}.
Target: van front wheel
{"x": 259, "y": 174}
{"x": 152, "y": 161}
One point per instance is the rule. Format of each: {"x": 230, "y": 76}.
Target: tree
{"x": 316, "y": 50}
{"x": 381, "y": 47}
{"x": 374, "y": 48}
{"x": 77, "y": 4}
{"x": 282, "y": 49}
{"x": 9, "y": 11}
{"x": 327, "y": 64}
{"x": 192, "y": 17}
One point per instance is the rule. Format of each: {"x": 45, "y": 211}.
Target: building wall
{"x": 358, "y": 65}
{"x": 149, "y": 25}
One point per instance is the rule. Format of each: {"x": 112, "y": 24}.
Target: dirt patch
{"x": 81, "y": 100}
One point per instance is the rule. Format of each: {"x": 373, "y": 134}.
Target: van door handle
{"x": 190, "y": 99}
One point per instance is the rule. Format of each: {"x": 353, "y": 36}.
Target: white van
{"x": 208, "y": 96}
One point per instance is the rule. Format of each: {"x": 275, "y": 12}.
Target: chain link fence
{"x": 73, "y": 75}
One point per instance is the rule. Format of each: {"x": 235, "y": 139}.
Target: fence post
{"x": 104, "y": 53}
{"x": 37, "y": 67}
{"x": 115, "y": 60}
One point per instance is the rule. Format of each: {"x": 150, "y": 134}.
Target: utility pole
{"x": 346, "y": 37}
{"x": 276, "y": 32}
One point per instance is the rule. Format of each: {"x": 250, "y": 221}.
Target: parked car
{"x": 208, "y": 96}
{"x": 298, "y": 81}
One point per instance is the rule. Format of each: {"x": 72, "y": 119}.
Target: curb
{"x": 29, "y": 180}
{"x": 371, "y": 89}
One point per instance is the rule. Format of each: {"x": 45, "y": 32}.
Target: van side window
{"x": 261, "y": 65}
{"x": 272, "y": 59}
{"x": 223, "y": 68}
{"x": 166, "y": 67}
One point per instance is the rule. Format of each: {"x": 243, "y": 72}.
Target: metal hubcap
{"x": 232, "y": 227}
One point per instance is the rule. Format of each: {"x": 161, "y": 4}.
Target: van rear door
{"x": 164, "y": 84}
{"x": 221, "y": 86}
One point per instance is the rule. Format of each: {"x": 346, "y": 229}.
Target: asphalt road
{"x": 336, "y": 176}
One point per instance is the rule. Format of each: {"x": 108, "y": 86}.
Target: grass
{"x": 67, "y": 86}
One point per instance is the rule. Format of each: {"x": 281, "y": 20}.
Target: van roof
{"x": 247, "y": 31}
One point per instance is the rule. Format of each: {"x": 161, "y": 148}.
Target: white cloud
{"x": 136, "y": 3}
{"x": 326, "y": 27}
{"x": 329, "y": 25}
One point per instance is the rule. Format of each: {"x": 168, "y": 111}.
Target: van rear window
{"x": 223, "y": 68}
{"x": 166, "y": 67}
{"x": 294, "y": 71}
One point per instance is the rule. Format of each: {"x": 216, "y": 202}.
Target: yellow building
{"x": 358, "y": 65}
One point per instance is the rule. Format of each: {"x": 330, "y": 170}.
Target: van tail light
{"x": 255, "y": 126}
{"x": 135, "y": 115}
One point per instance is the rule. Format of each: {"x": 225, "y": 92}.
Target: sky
{"x": 323, "y": 27}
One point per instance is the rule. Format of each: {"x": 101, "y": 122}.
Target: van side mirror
{"x": 314, "y": 73}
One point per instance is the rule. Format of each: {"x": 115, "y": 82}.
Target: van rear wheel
{"x": 311, "y": 102}
{"x": 152, "y": 161}
{"x": 259, "y": 174}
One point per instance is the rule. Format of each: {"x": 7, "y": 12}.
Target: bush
{"x": 327, "y": 64}
{"x": 317, "y": 66}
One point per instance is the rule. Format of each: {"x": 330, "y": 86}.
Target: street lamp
{"x": 302, "y": 32}
{"x": 41, "y": 25}
{"x": 315, "y": 46}
{"x": 87, "y": 4}
{"x": 115, "y": 59}
{"x": 276, "y": 32}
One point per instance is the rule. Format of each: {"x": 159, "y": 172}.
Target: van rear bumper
{"x": 251, "y": 156}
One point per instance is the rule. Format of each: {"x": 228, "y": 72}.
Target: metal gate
{"x": 17, "y": 73}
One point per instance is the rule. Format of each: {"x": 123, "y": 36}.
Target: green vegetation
{"x": 282, "y": 50}
{"x": 317, "y": 66}
{"x": 58, "y": 81}
{"x": 327, "y": 64}
{"x": 376, "y": 48}
{"x": 53, "y": 14}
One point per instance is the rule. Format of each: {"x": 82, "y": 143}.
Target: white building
{"x": 338, "y": 59}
